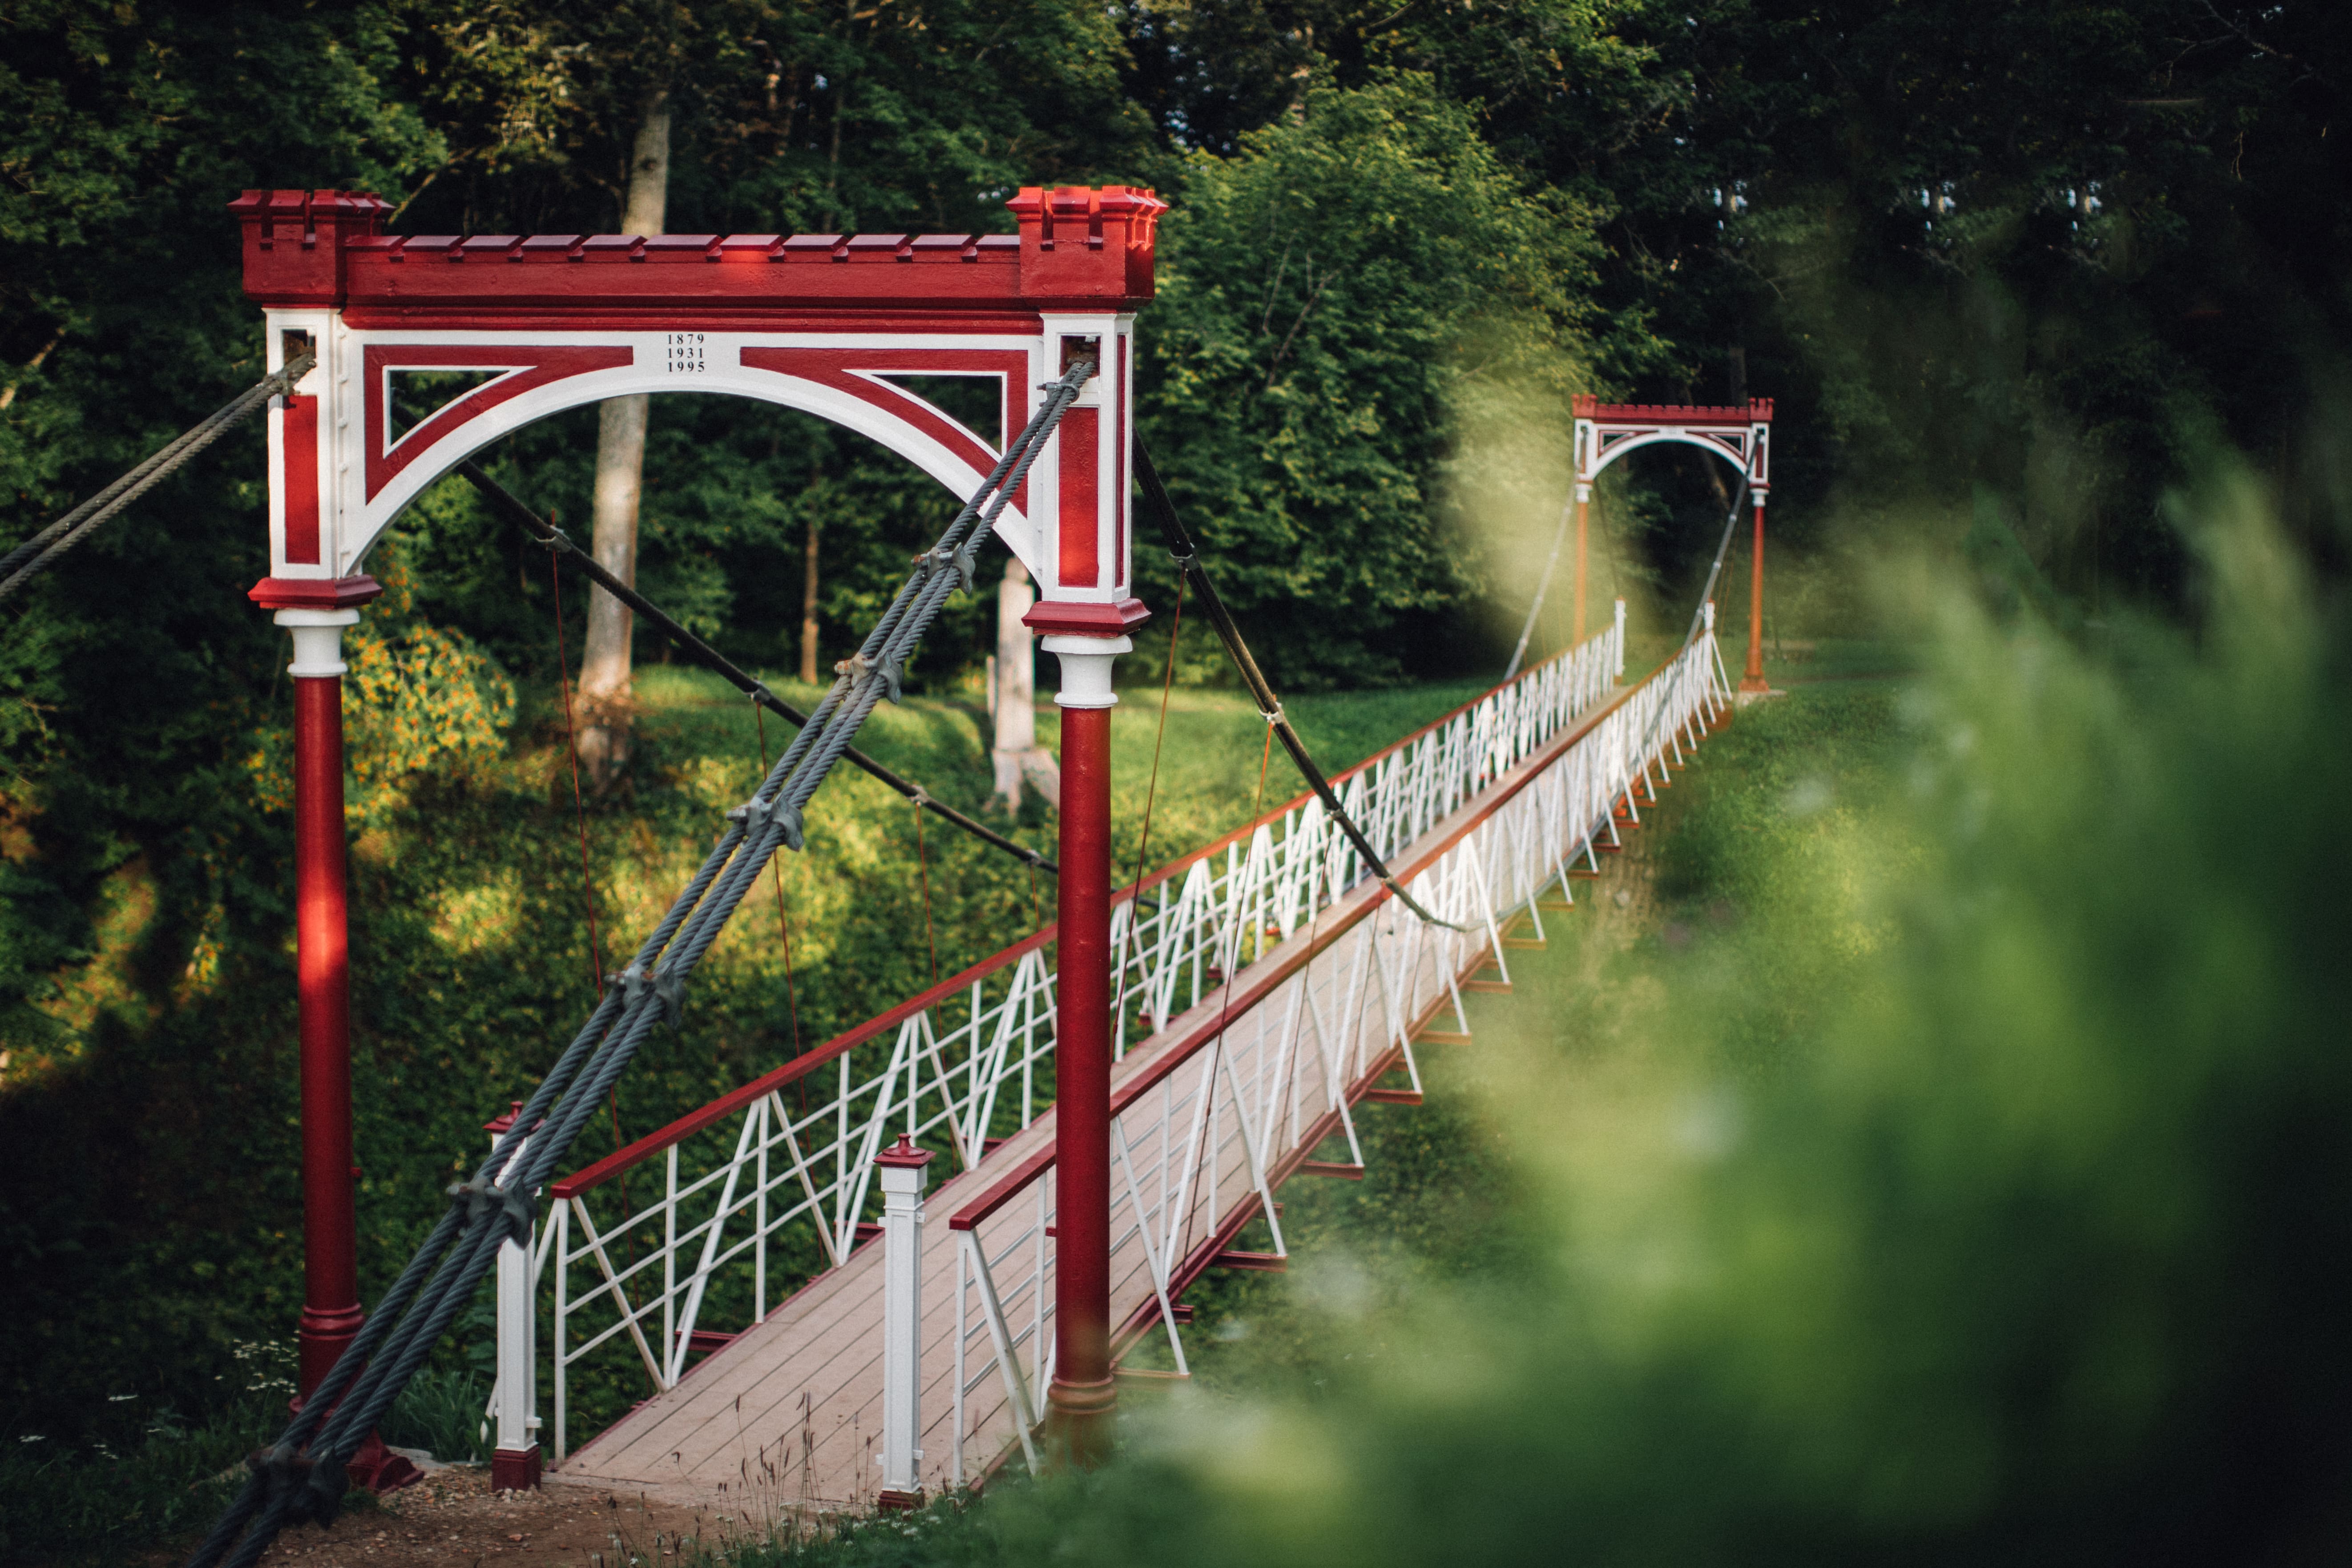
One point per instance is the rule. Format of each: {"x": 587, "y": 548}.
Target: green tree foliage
{"x": 2010, "y": 244}
{"x": 2002, "y": 250}
{"x": 1327, "y": 294}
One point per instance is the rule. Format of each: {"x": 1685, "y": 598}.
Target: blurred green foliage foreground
{"x": 1968, "y": 1182}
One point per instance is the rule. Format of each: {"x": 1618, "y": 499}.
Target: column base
{"x": 1078, "y": 1421}
{"x": 515, "y": 1470}
{"x": 890, "y": 1500}
{"x": 373, "y": 1464}
{"x": 379, "y": 1469}
{"x": 1755, "y": 692}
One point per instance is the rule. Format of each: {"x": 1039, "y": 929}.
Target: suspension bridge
{"x": 1110, "y": 1103}
{"x": 1263, "y": 987}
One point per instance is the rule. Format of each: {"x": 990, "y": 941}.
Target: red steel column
{"x": 1752, "y": 679}
{"x": 1083, "y": 1397}
{"x": 316, "y": 614}
{"x": 1583, "y": 497}
{"x": 330, "y": 1295}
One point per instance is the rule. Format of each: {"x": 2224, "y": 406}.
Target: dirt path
{"x": 452, "y": 1517}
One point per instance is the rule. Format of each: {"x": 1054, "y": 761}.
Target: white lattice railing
{"x": 1242, "y": 1092}
{"x": 772, "y": 1184}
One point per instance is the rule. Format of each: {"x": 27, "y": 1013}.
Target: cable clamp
{"x": 921, "y": 795}
{"x": 283, "y": 1473}
{"x": 931, "y": 563}
{"x": 322, "y": 1490}
{"x": 669, "y": 988}
{"x": 484, "y": 1197}
{"x": 858, "y": 667}
{"x": 756, "y": 814}
{"x": 670, "y": 985}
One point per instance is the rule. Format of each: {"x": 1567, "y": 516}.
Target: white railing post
{"x": 1620, "y": 639}
{"x": 514, "y": 1401}
{"x": 903, "y": 1177}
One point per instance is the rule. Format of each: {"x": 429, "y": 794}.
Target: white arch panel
{"x": 364, "y": 519}
{"x": 1717, "y": 446}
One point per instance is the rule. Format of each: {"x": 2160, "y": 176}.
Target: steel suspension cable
{"x": 303, "y": 1475}
{"x": 39, "y": 554}
{"x": 1188, "y": 562}
{"x": 1543, "y": 585}
{"x": 784, "y": 922}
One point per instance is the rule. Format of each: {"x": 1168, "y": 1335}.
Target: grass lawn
{"x": 1208, "y": 762}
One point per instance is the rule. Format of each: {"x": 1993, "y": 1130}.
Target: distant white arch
{"x": 1741, "y": 434}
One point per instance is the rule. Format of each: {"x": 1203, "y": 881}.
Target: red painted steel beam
{"x": 330, "y": 1282}
{"x": 1082, "y": 1395}
{"x": 1077, "y": 248}
{"x": 1756, "y": 410}
{"x": 1751, "y": 679}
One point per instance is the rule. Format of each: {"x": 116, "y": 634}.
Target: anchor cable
{"x": 39, "y": 554}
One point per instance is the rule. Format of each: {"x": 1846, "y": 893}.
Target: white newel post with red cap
{"x": 514, "y": 1398}
{"x": 903, "y": 1172}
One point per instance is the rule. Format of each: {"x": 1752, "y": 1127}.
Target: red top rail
{"x": 800, "y": 1067}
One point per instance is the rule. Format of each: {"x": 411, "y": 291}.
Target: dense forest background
{"x": 2007, "y": 267}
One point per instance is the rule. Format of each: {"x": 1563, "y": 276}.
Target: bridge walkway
{"x": 1212, "y": 1109}
{"x": 790, "y": 1411}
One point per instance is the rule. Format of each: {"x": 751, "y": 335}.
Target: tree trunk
{"x": 1016, "y": 754}
{"x": 620, "y": 478}
{"x": 808, "y": 605}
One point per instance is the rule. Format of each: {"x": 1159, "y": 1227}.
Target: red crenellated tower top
{"x": 1077, "y": 248}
